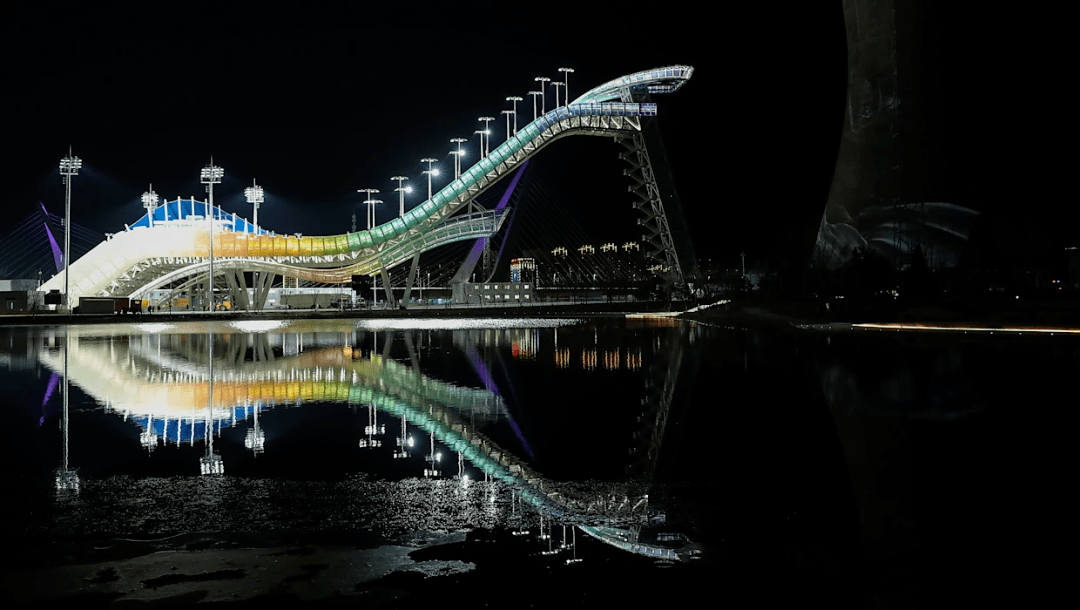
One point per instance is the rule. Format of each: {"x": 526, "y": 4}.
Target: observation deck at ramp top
{"x": 143, "y": 258}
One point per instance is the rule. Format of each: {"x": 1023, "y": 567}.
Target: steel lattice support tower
{"x": 666, "y": 235}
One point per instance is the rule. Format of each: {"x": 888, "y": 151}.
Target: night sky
{"x": 315, "y": 103}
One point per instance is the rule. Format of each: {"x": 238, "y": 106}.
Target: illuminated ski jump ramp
{"x": 144, "y": 258}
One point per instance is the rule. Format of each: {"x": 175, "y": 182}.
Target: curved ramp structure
{"x": 143, "y": 258}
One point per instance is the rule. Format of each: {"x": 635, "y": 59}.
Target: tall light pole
{"x": 401, "y": 191}
{"x": 211, "y": 175}
{"x": 254, "y": 196}
{"x": 556, "y": 84}
{"x": 566, "y": 82}
{"x": 542, "y": 80}
{"x": 487, "y": 132}
{"x": 149, "y": 201}
{"x": 368, "y": 201}
{"x": 69, "y": 167}
{"x": 514, "y": 99}
{"x": 534, "y": 94}
{"x": 507, "y": 114}
{"x": 480, "y": 132}
{"x": 457, "y": 155}
{"x": 430, "y": 172}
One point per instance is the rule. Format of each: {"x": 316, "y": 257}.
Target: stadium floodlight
{"x": 556, "y": 84}
{"x": 149, "y": 201}
{"x": 534, "y": 94}
{"x": 254, "y": 196}
{"x": 457, "y": 155}
{"x": 542, "y": 80}
{"x": 211, "y": 175}
{"x": 430, "y": 172}
{"x": 401, "y": 190}
{"x": 487, "y": 132}
{"x": 370, "y": 202}
{"x": 69, "y": 167}
{"x": 566, "y": 82}
{"x": 507, "y": 114}
{"x": 480, "y": 132}
{"x": 514, "y": 99}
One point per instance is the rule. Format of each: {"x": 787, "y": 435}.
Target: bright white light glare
{"x": 153, "y": 328}
{"x": 435, "y": 172}
{"x": 457, "y": 324}
{"x": 408, "y": 189}
{"x": 942, "y": 327}
{"x": 257, "y": 326}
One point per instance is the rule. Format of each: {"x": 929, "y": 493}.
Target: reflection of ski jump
{"x": 176, "y": 246}
{"x": 162, "y": 390}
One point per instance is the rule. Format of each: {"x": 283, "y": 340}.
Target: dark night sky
{"x": 315, "y": 105}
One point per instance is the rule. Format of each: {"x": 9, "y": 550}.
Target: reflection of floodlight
{"x": 67, "y": 480}
{"x": 148, "y": 439}
{"x": 255, "y": 440}
{"x": 211, "y": 465}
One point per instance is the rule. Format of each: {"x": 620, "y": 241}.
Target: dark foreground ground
{"x": 477, "y": 569}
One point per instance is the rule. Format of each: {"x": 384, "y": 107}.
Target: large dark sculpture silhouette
{"x": 875, "y": 199}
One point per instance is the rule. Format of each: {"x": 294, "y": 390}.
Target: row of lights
{"x": 485, "y": 144}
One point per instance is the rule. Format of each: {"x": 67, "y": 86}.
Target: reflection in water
{"x": 820, "y": 454}
{"x": 188, "y": 383}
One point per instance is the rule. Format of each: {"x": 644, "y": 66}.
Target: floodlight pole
{"x": 255, "y": 197}
{"x": 507, "y": 113}
{"x": 149, "y": 201}
{"x": 480, "y": 132}
{"x": 514, "y": 99}
{"x": 69, "y": 167}
{"x": 542, "y": 80}
{"x": 368, "y": 201}
{"x": 457, "y": 156}
{"x": 487, "y": 132}
{"x": 430, "y": 172}
{"x": 556, "y": 84}
{"x": 566, "y": 82}
{"x": 534, "y": 94}
{"x": 401, "y": 191}
{"x": 211, "y": 175}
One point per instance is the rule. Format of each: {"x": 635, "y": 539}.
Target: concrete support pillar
{"x": 412, "y": 278}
